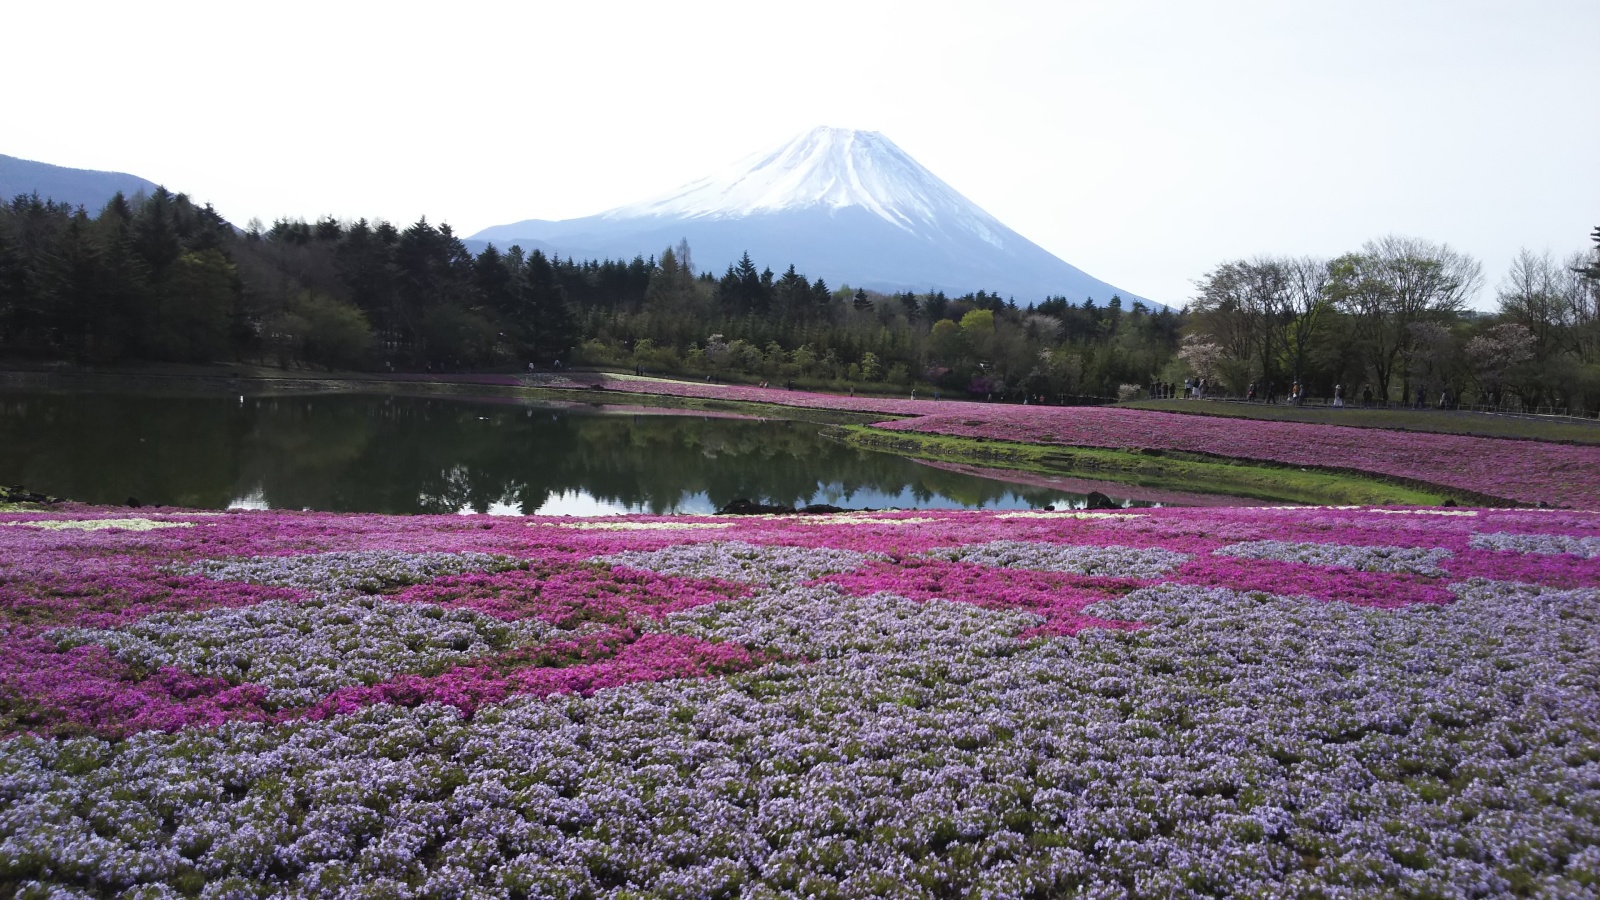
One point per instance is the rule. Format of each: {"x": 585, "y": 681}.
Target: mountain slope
{"x": 848, "y": 206}
{"x": 74, "y": 187}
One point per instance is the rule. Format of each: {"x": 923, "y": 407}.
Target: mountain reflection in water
{"x": 363, "y": 453}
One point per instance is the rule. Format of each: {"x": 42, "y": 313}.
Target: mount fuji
{"x": 844, "y": 205}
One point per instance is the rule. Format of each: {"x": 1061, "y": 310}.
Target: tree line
{"x": 160, "y": 278}
{"x": 1393, "y": 318}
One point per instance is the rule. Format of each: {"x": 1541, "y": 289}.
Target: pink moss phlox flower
{"x": 1560, "y": 571}
{"x": 85, "y": 690}
{"x": 652, "y": 657}
{"x": 95, "y": 595}
{"x": 568, "y": 595}
{"x": 1384, "y": 590}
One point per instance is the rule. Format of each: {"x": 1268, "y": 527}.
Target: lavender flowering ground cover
{"x": 1152, "y": 703}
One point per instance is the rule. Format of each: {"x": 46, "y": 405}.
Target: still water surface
{"x": 362, "y": 453}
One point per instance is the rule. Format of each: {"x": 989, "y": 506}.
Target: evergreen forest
{"x": 158, "y": 278}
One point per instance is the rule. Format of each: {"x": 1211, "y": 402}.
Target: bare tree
{"x": 1535, "y": 295}
{"x": 1306, "y": 302}
{"x": 1395, "y": 282}
{"x": 1242, "y": 308}
{"x": 1579, "y": 288}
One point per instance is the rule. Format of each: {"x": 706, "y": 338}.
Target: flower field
{"x": 1527, "y": 472}
{"x": 1150, "y": 703}
{"x": 1524, "y": 471}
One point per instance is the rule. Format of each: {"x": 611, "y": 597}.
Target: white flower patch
{"x": 1413, "y": 560}
{"x": 301, "y": 652}
{"x": 359, "y": 570}
{"x": 1303, "y": 508}
{"x": 1065, "y": 514}
{"x": 638, "y": 526}
{"x": 742, "y": 562}
{"x": 859, "y": 519}
{"x": 1544, "y": 544}
{"x": 1111, "y": 561}
{"x": 129, "y": 524}
{"x": 823, "y": 622}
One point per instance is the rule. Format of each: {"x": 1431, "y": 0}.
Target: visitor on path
{"x": 1366, "y": 397}
{"x": 1188, "y": 389}
{"x": 1422, "y": 398}
{"x": 1250, "y": 394}
{"x": 1338, "y": 396}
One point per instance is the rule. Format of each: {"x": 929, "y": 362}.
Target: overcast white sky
{"x": 1140, "y": 141}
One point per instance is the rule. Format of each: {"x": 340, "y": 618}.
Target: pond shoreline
{"x": 1264, "y": 479}
{"x": 418, "y": 452}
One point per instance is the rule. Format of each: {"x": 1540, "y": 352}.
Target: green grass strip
{"x": 1166, "y": 470}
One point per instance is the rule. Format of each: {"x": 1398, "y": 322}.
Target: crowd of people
{"x": 1267, "y": 392}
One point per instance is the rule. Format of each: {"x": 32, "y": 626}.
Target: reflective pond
{"x": 392, "y": 454}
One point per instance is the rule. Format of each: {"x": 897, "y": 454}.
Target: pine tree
{"x": 546, "y": 321}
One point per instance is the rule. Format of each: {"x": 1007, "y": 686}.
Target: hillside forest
{"x": 159, "y": 278}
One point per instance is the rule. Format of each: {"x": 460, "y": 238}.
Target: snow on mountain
{"x": 830, "y": 168}
{"x": 848, "y": 206}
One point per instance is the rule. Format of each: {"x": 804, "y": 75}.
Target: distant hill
{"x": 74, "y": 187}
{"x": 847, "y": 206}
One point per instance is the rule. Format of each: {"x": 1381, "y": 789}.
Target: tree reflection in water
{"x": 390, "y": 454}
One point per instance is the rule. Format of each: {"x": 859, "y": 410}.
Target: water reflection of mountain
{"x": 397, "y": 454}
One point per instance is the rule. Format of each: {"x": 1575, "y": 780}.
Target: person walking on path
{"x": 1338, "y": 396}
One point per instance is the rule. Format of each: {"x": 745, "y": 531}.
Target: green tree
{"x": 871, "y": 367}
{"x": 195, "y": 308}
{"x": 946, "y": 344}
{"x": 546, "y": 321}
{"x": 337, "y": 333}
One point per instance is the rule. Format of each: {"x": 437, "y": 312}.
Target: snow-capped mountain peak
{"x": 827, "y": 168}
{"x": 842, "y": 205}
